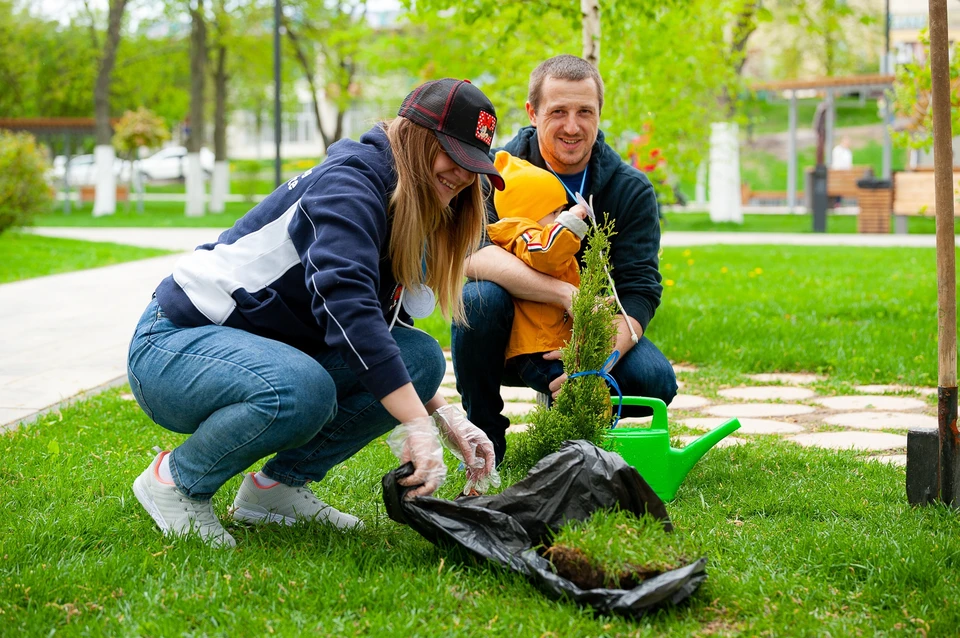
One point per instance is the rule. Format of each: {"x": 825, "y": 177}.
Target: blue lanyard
{"x": 583, "y": 182}
{"x": 604, "y": 373}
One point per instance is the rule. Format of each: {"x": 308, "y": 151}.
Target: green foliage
{"x": 822, "y": 37}
{"x": 582, "y": 409}
{"x": 622, "y": 546}
{"x": 24, "y": 191}
{"x": 912, "y": 98}
{"x": 140, "y": 128}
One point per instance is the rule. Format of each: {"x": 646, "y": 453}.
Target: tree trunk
{"x": 311, "y": 81}
{"x": 105, "y": 201}
{"x": 101, "y": 91}
{"x": 198, "y": 69}
{"x": 590, "y": 11}
{"x": 220, "y": 186}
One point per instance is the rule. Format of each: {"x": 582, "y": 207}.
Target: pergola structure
{"x": 45, "y": 128}
{"x": 831, "y": 86}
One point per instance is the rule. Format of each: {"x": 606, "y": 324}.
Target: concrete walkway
{"x": 66, "y": 335}
{"x": 190, "y": 238}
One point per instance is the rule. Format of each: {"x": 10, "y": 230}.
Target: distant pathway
{"x": 190, "y": 238}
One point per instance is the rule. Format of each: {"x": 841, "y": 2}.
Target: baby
{"x": 534, "y": 227}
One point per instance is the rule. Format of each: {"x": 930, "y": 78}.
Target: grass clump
{"x": 582, "y": 409}
{"x": 616, "y": 550}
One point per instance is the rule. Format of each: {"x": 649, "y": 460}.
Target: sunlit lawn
{"x": 857, "y": 315}
{"x": 800, "y": 542}
{"x": 23, "y": 255}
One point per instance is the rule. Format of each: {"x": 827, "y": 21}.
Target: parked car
{"x": 171, "y": 163}
{"x": 81, "y": 170}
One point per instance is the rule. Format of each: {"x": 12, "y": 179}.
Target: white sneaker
{"x": 175, "y": 513}
{"x": 281, "y": 503}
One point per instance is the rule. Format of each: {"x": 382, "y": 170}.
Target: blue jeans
{"x": 478, "y": 362}
{"x": 243, "y": 397}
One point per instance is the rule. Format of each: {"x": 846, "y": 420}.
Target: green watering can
{"x": 648, "y": 449}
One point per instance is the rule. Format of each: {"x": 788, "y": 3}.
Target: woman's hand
{"x": 418, "y": 441}
{"x": 468, "y": 443}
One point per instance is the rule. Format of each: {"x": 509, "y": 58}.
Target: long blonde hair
{"x": 450, "y": 233}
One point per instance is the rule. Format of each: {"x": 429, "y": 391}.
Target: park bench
{"x": 89, "y": 193}
{"x": 843, "y": 182}
{"x": 913, "y": 194}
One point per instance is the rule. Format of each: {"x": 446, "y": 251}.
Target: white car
{"x": 171, "y": 163}
{"x": 81, "y": 170}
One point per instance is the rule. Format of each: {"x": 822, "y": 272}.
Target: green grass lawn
{"x": 156, "y": 214}
{"x": 23, "y": 256}
{"x": 774, "y": 117}
{"x": 863, "y": 315}
{"x": 797, "y": 223}
{"x": 799, "y": 541}
{"x": 857, "y": 315}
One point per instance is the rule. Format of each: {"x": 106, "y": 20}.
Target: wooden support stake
{"x": 946, "y": 255}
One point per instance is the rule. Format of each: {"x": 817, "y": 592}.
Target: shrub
{"x": 582, "y": 409}
{"x": 24, "y": 191}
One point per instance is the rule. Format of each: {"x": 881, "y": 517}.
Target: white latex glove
{"x": 417, "y": 441}
{"x": 468, "y": 443}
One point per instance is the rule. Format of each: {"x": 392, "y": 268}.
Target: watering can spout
{"x": 688, "y": 456}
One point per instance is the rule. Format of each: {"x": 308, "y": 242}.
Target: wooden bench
{"x": 749, "y": 196}
{"x": 89, "y": 193}
{"x": 843, "y": 182}
{"x": 914, "y": 194}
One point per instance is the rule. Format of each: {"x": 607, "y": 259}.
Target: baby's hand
{"x": 579, "y": 211}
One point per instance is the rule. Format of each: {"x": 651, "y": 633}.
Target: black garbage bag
{"x": 506, "y": 528}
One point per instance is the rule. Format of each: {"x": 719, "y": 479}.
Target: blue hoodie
{"x": 308, "y": 266}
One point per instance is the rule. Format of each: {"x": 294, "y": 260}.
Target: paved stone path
{"x": 874, "y": 421}
{"x": 66, "y": 335}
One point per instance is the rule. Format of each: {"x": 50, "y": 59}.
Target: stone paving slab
{"x": 688, "y": 402}
{"x": 875, "y": 402}
{"x": 788, "y": 378}
{"x": 747, "y": 426}
{"x": 872, "y": 441}
{"x": 882, "y": 420}
{"x": 679, "y": 367}
{"x": 890, "y": 459}
{"x": 517, "y": 428}
{"x": 448, "y": 393}
{"x": 745, "y": 410}
{"x": 893, "y": 389}
{"x": 510, "y": 393}
{"x": 517, "y": 409}
{"x": 768, "y": 393}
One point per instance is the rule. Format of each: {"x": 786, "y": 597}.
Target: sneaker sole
{"x": 143, "y": 495}
{"x": 252, "y": 516}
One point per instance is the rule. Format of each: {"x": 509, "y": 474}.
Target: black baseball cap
{"x": 463, "y": 119}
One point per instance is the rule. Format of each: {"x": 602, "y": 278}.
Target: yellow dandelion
{"x": 686, "y": 253}
{"x": 668, "y": 266}
{"x": 724, "y": 270}
{"x": 759, "y": 271}
{"x": 668, "y": 282}
{"x": 689, "y": 262}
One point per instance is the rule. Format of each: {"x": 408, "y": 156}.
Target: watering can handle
{"x": 659, "y": 409}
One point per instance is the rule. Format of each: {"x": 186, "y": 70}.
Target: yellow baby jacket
{"x": 540, "y": 327}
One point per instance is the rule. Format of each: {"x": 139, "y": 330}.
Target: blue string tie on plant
{"x": 604, "y": 373}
